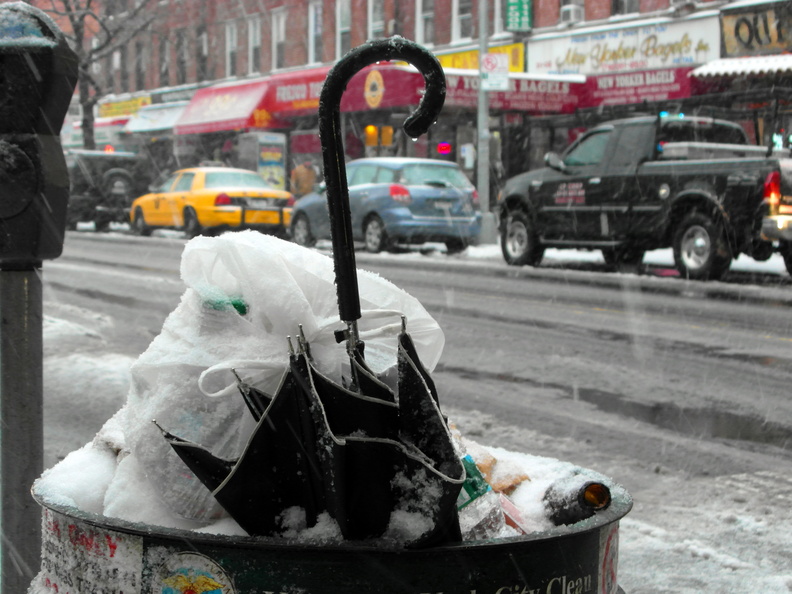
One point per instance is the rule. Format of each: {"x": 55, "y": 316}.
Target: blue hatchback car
{"x": 398, "y": 200}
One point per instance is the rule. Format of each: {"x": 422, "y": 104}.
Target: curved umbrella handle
{"x": 394, "y": 48}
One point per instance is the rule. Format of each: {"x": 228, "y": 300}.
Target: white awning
{"x": 160, "y": 117}
{"x": 755, "y": 65}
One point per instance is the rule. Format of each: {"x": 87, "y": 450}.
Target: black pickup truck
{"x": 643, "y": 183}
{"x": 104, "y": 184}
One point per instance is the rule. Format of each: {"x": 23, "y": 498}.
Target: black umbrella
{"x": 357, "y": 451}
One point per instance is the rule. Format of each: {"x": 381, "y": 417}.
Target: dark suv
{"x": 103, "y": 185}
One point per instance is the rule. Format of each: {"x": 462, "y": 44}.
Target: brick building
{"x": 263, "y": 62}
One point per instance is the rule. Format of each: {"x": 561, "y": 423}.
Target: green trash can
{"x": 85, "y": 553}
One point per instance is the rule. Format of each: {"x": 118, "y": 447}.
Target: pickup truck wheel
{"x": 786, "y": 252}
{"x": 139, "y": 226}
{"x": 374, "y": 235}
{"x": 192, "y": 228}
{"x": 519, "y": 241}
{"x": 701, "y": 251}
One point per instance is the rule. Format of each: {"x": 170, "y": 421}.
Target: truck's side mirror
{"x": 39, "y": 73}
{"x": 554, "y": 161}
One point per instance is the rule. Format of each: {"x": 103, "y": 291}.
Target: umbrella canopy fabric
{"x": 324, "y": 448}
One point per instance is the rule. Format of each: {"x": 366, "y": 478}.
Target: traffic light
{"x": 38, "y": 73}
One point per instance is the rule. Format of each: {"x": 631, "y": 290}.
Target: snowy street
{"x": 675, "y": 391}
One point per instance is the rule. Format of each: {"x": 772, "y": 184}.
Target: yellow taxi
{"x": 205, "y": 199}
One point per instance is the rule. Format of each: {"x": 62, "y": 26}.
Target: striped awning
{"x": 751, "y": 65}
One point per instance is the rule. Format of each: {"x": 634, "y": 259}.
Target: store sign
{"x": 757, "y": 30}
{"x": 469, "y": 60}
{"x": 537, "y": 96}
{"x": 659, "y": 45}
{"x": 518, "y": 15}
{"x": 112, "y": 109}
{"x": 634, "y": 87}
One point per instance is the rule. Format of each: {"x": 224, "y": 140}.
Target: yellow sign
{"x": 374, "y": 89}
{"x": 469, "y": 59}
{"x": 114, "y": 109}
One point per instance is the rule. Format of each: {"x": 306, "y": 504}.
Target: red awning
{"x": 228, "y": 107}
{"x": 293, "y": 94}
{"x": 270, "y": 102}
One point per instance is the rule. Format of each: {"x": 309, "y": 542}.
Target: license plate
{"x": 443, "y": 204}
{"x": 260, "y": 203}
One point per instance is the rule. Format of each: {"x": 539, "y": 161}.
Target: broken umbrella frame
{"x": 358, "y": 451}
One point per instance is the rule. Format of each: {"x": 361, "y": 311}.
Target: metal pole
{"x": 488, "y": 228}
{"x": 21, "y": 424}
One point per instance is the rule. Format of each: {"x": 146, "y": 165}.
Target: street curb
{"x": 646, "y": 283}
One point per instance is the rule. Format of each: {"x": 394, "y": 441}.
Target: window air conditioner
{"x": 572, "y": 13}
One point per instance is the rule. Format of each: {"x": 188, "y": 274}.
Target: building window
{"x": 109, "y": 74}
{"x": 625, "y": 6}
{"x": 376, "y": 19}
{"x": 181, "y": 57}
{"x": 499, "y": 17}
{"x": 164, "y": 56}
{"x": 279, "y": 38}
{"x": 141, "y": 61}
{"x": 230, "y": 49}
{"x": 202, "y": 58}
{"x": 462, "y": 23}
{"x": 123, "y": 56}
{"x": 343, "y": 39}
{"x": 424, "y": 18}
{"x": 315, "y": 53}
{"x": 254, "y": 44}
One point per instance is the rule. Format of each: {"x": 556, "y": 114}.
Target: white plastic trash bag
{"x": 246, "y": 293}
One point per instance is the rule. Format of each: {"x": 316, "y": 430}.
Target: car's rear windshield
{"x": 234, "y": 179}
{"x": 420, "y": 174}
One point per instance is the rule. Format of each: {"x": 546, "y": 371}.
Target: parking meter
{"x": 38, "y": 73}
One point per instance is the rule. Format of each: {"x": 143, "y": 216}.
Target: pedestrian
{"x": 303, "y": 178}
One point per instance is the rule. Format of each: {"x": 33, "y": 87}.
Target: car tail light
{"x": 222, "y": 200}
{"x": 475, "y": 197}
{"x": 400, "y": 194}
{"x": 772, "y": 188}
{"x": 290, "y": 201}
